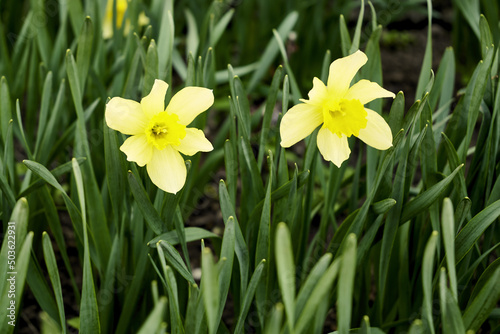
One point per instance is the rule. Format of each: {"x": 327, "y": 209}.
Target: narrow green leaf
{"x": 321, "y": 290}
{"x": 192, "y": 234}
{"x": 210, "y": 290}
{"x": 357, "y": 31}
{"x": 425, "y": 70}
{"x": 420, "y": 203}
{"x": 220, "y": 27}
{"x": 451, "y": 316}
{"x": 448, "y": 230}
{"x": 268, "y": 113}
{"x": 151, "y": 68}
{"x": 50, "y": 261}
{"x": 247, "y": 301}
{"x": 286, "y": 271}
{"x": 147, "y": 209}
{"x": 84, "y": 51}
{"x": 225, "y": 273}
{"x": 89, "y": 313}
{"x": 273, "y": 325}
{"x": 471, "y": 232}
{"x": 175, "y": 259}
{"x": 240, "y": 247}
{"x": 345, "y": 38}
{"x": 346, "y": 284}
{"x": 311, "y": 282}
{"x": 427, "y": 275}
{"x": 14, "y": 282}
{"x": 154, "y": 322}
{"x": 481, "y": 306}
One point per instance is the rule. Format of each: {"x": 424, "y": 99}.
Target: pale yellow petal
{"x": 167, "y": 169}
{"x": 189, "y": 102}
{"x": 194, "y": 142}
{"x": 299, "y": 122}
{"x": 366, "y": 91}
{"x": 343, "y": 70}
{"x": 377, "y": 133}
{"x": 318, "y": 93}
{"x": 138, "y": 149}
{"x": 154, "y": 103}
{"x": 125, "y": 116}
{"x": 332, "y": 147}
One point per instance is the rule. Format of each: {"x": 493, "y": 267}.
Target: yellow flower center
{"x": 344, "y": 117}
{"x": 164, "y": 129}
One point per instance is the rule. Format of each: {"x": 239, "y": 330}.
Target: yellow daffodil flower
{"x": 121, "y": 8}
{"x": 339, "y": 108}
{"x": 158, "y": 134}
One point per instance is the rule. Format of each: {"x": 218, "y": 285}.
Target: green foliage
{"x": 403, "y": 240}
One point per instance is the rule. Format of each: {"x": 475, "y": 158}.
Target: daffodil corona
{"x": 339, "y": 108}
{"x": 158, "y": 134}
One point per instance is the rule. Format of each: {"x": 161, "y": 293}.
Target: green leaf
{"x": 321, "y": 290}
{"x": 346, "y": 284}
{"x": 18, "y": 279}
{"x": 227, "y": 253}
{"x": 192, "y": 234}
{"x": 151, "y": 68}
{"x": 285, "y": 267}
{"x": 471, "y": 232}
{"x": 220, "y": 28}
{"x": 427, "y": 275}
{"x": 175, "y": 259}
{"x": 192, "y": 38}
{"x": 357, "y": 31}
{"x": 51, "y": 263}
{"x": 240, "y": 246}
{"x": 210, "y": 289}
{"x": 89, "y": 313}
{"x": 154, "y": 322}
{"x": 268, "y": 113}
{"x": 448, "y": 230}
{"x": 273, "y": 325}
{"x": 345, "y": 38}
{"x": 247, "y": 301}
{"x": 311, "y": 282}
{"x": 481, "y": 306}
{"x": 451, "y": 316}
{"x": 84, "y": 52}
{"x": 147, "y": 209}
{"x": 166, "y": 42}
{"x": 423, "y": 201}
{"x": 425, "y": 70}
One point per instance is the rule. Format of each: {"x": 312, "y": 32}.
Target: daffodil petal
{"x": 343, "y": 70}
{"x": 318, "y": 93}
{"x": 137, "y": 149}
{"x": 299, "y": 122}
{"x": 194, "y": 142}
{"x": 332, "y": 147}
{"x": 154, "y": 103}
{"x": 189, "y": 102}
{"x": 366, "y": 91}
{"x": 377, "y": 133}
{"x": 125, "y": 116}
{"x": 167, "y": 169}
